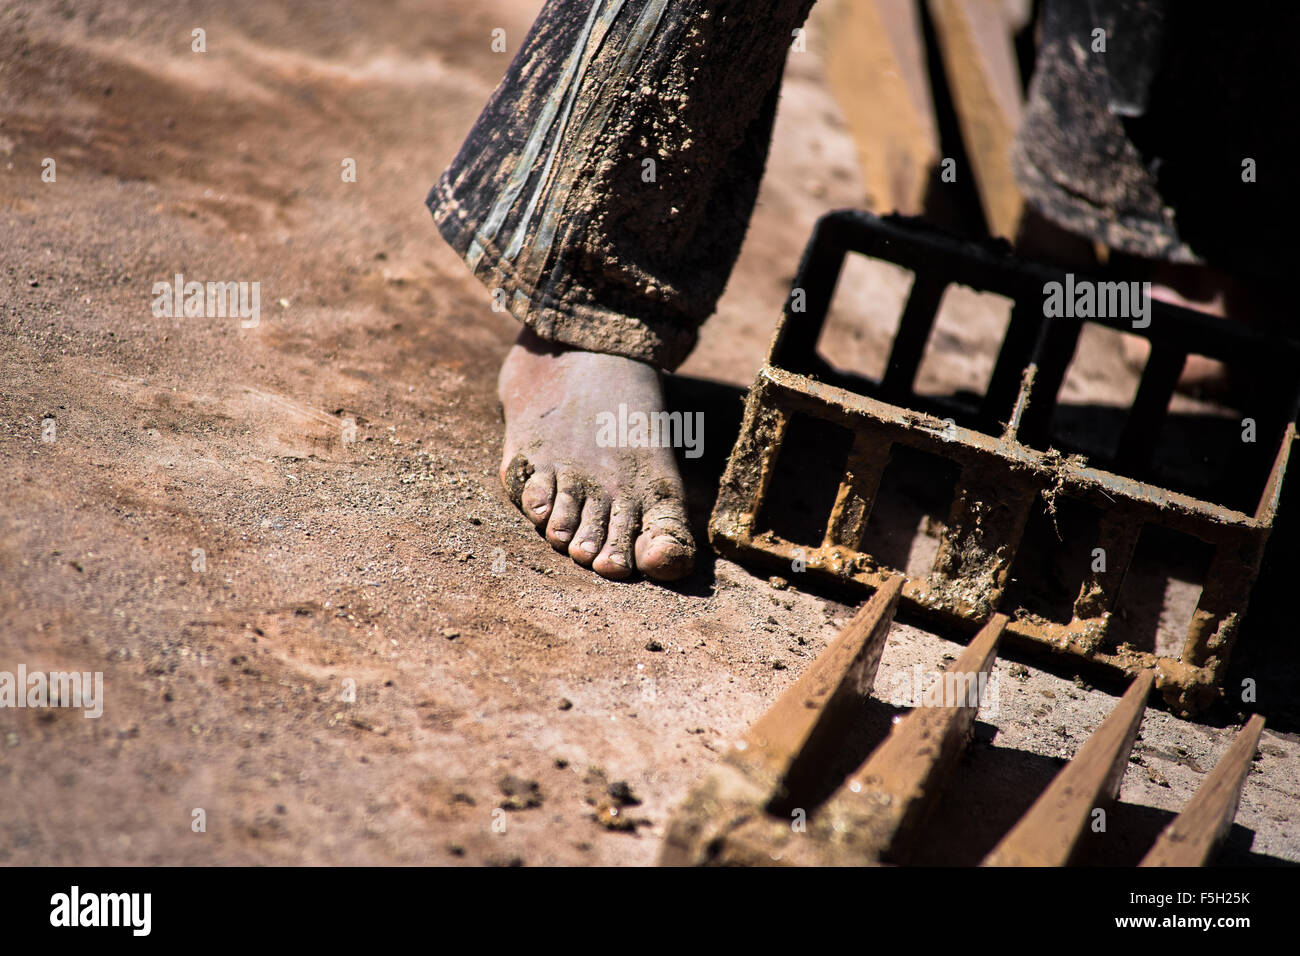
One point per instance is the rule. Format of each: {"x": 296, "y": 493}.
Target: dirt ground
{"x": 198, "y": 530}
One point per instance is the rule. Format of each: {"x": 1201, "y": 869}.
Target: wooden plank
{"x": 1197, "y": 833}
{"x": 726, "y": 817}
{"x": 806, "y": 724}
{"x": 1048, "y": 834}
{"x": 975, "y": 38}
{"x": 883, "y": 804}
{"x": 876, "y": 68}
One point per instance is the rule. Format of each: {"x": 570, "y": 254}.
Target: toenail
{"x": 619, "y": 559}
{"x": 538, "y": 509}
{"x": 587, "y": 547}
{"x": 562, "y": 535}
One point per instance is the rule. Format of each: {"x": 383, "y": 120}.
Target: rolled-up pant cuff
{"x": 581, "y": 325}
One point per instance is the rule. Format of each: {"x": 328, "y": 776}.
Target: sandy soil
{"x": 499, "y": 690}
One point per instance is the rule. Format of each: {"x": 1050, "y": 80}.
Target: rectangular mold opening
{"x": 805, "y": 480}
{"x": 910, "y": 511}
{"x": 1098, "y": 391}
{"x": 864, "y": 315}
{"x": 1217, "y": 445}
{"x": 1053, "y": 559}
{"x": 963, "y": 346}
{"x": 1160, "y": 591}
{"x": 1220, "y": 443}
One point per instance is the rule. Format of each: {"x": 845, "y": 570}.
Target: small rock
{"x": 611, "y": 818}
{"x": 779, "y": 583}
{"x": 566, "y": 704}
{"x": 520, "y": 794}
{"x": 450, "y": 633}
{"x": 1157, "y": 777}
{"x": 653, "y": 646}
{"x": 623, "y": 795}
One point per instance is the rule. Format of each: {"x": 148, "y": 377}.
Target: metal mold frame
{"x": 1006, "y": 464}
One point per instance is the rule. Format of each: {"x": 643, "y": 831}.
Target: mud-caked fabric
{"x": 1163, "y": 129}
{"x": 604, "y": 191}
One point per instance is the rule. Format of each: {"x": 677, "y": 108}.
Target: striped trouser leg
{"x": 605, "y": 189}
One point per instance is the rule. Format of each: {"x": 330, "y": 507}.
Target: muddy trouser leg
{"x": 604, "y": 191}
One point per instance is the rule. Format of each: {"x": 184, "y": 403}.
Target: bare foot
{"x": 614, "y": 510}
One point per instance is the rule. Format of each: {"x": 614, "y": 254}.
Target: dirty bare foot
{"x": 612, "y": 509}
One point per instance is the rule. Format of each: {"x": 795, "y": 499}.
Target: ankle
{"x": 534, "y": 344}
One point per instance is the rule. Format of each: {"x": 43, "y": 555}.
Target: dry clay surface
{"x": 198, "y": 530}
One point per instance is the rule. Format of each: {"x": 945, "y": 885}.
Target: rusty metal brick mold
{"x": 1003, "y": 455}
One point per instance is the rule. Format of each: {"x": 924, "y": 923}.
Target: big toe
{"x": 538, "y": 496}
{"x": 665, "y": 549}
